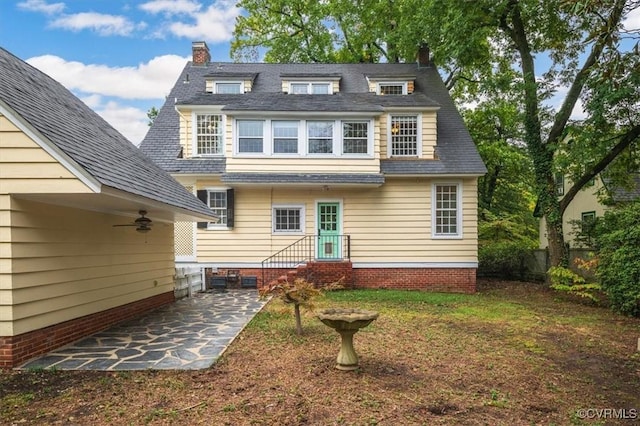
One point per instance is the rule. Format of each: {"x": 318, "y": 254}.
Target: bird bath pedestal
{"x": 346, "y": 322}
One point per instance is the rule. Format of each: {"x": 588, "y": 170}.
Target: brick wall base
{"x": 15, "y": 350}
{"x": 454, "y": 280}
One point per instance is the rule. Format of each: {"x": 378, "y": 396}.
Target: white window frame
{"x": 299, "y": 207}
{"x": 303, "y": 139}
{"x": 194, "y": 128}
{"x": 217, "y": 226}
{"x": 237, "y": 136}
{"x": 458, "y": 210}
{"x": 299, "y": 138}
{"x": 310, "y": 85}
{"x": 404, "y": 84}
{"x": 369, "y": 124}
{"x": 228, "y": 82}
{"x": 418, "y": 117}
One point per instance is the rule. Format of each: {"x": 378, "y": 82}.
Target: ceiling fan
{"x": 142, "y": 224}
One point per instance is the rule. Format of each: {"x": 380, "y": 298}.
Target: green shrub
{"x": 565, "y": 280}
{"x": 618, "y": 245}
{"x": 504, "y": 259}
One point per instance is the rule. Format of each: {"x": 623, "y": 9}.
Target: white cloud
{"x": 93, "y": 83}
{"x": 41, "y": 6}
{"x": 216, "y": 24}
{"x": 103, "y": 24}
{"x": 171, "y": 7}
{"x": 632, "y": 21}
{"x": 131, "y": 122}
{"x": 151, "y": 80}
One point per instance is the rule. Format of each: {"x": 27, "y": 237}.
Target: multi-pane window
{"x": 209, "y": 134}
{"x": 320, "y": 137}
{"x": 446, "y": 210}
{"x": 285, "y": 137}
{"x": 310, "y": 88}
{"x": 288, "y": 219}
{"x": 228, "y": 88}
{"x": 218, "y": 205}
{"x": 391, "y": 88}
{"x": 355, "y": 137}
{"x": 404, "y": 135}
{"x": 250, "y": 136}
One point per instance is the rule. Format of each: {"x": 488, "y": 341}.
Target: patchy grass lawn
{"x": 512, "y": 354}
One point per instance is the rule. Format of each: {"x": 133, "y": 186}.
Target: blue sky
{"x": 121, "y": 57}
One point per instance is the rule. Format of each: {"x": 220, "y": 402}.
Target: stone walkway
{"x": 186, "y": 335}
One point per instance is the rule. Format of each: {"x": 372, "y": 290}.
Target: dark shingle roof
{"x": 85, "y": 137}
{"x": 456, "y": 151}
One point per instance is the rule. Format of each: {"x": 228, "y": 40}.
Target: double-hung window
{"x": 230, "y": 88}
{"x": 447, "y": 212}
{"x": 288, "y": 219}
{"x": 221, "y": 203}
{"x": 310, "y": 88}
{"x": 392, "y": 88}
{"x": 250, "y": 136}
{"x": 209, "y": 139}
{"x": 320, "y": 137}
{"x": 285, "y": 137}
{"x": 404, "y": 135}
{"x": 355, "y": 137}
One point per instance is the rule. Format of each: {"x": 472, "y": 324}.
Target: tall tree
{"x": 575, "y": 52}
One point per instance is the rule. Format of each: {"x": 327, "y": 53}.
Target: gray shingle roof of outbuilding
{"x": 456, "y": 152}
{"x": 85, "y": 137}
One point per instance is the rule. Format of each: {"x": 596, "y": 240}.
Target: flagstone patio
{"x": 189, "y": 334}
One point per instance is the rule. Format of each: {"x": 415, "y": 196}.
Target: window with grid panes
{"x": 391, "y": 89}
{"x": 447, "y": 210}
{"x": 218, "y": 204}
{"x": 404, "y": 136}
{"x": 287, "y": 219}
{"x": 250, "y": 136}
{"x": 355, "y": 138}
{"x": 285, "y": 137}
{"x": 320, "y": 137}
{"x": 209, "y": 134}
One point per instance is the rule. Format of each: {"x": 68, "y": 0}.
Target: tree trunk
{"x": 296, "y": 310}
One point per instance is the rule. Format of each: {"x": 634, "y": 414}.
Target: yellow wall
{"x": 66, "y": 263}
{"x": 387, "y": 224}
{"x": 59, "y": 263}
{"x": 27, "y": 168}
{"x": 584, "y": 201}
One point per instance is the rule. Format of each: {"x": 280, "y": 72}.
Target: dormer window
{"x": 227, "y": 87}
{"x": 392, "y": 88}
{"x": 310, "y": 88}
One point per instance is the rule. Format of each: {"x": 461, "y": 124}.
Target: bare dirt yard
{"x": 512, "y": 354}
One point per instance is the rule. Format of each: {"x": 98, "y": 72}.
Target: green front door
{"x": 329, "y": 239}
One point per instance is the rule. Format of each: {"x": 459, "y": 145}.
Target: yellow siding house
{"x": 361, "y": 171}
{"x": 68, "y": 181}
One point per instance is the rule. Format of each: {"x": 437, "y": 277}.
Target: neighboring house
{"x": 67, "y": 178}
{"x": 358, "y": 170}
{"x": 590, "y": 203}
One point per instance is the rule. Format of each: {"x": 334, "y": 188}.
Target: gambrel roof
{"x": 456, "y": 153}
{"x": 89, "y": 145}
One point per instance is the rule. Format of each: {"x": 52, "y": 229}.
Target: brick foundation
{"x": 454, "y": 280}
{"x": 14, "y": 350}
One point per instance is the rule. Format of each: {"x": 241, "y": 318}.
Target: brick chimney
{"x": 201, "y": 55}
{"x": 424, "y": 55}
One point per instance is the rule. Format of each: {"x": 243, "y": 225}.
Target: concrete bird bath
{"x": 346, "y": 322}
